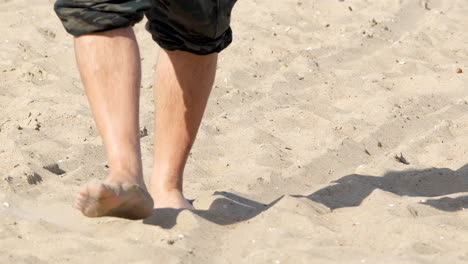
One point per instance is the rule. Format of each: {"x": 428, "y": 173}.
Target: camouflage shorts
{"x": 197, "y": 26}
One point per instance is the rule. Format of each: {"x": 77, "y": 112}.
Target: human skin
{"x": 109, "y": 64}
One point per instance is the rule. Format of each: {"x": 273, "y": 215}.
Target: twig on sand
{"x": 401, "y": 159}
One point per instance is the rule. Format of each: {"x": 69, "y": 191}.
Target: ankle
{"x": 125, "y": 175}
{"x": 166, "y": 184}
{"x": 165, "y": 189}
{"x": 127, "y": 167}
{"x": 130, "y": 163}
{"x": 157, "y": 190}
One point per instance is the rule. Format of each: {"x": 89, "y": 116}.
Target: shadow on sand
{"x": 228, "y": 209}
{"x": 347, "y": 191}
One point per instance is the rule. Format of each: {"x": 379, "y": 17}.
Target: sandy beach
{"x": 336, "y": 132}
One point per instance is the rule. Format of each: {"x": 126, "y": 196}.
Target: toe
{"x": 83, "y": 192}
{"x": 80, "y": 199}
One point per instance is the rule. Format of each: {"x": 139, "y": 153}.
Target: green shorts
{"x": 197, "y": 26}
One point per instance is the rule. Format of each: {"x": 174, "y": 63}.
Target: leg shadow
{"x": 227, "y": 209}
{"x": 351, "y": 190}
{"x": 449, "y": 204}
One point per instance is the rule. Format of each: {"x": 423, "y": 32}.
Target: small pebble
{"x": 181, "y": 236}
{"x": 6, "y": 204}
{"x": 459, "y": 70}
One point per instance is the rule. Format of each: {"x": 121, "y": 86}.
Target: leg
{"x": 109, "y": 64}
{"x": 183, "y": 84}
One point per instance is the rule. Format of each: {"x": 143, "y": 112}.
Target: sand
{"x": 296, "y": 157}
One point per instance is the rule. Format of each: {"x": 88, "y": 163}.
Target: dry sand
{"x": 295, "y": 160}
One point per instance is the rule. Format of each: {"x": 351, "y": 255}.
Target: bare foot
{"x": 120, "y": 200}
{"x": 171, "y": 199}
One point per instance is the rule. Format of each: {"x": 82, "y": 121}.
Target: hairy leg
{"x": 183, "y": 84}
{"x": 109, "y": 64}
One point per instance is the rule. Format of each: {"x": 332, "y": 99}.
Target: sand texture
{"x": 337, "y": 132}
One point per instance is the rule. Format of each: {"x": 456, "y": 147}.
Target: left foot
{"x": 119, "y": 200}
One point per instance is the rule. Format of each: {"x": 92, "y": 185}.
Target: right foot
{"x": 171, "y": 199}
{"x": 115, "y": 199}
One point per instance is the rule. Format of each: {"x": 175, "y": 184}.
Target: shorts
{"x": 197, "y": 26}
